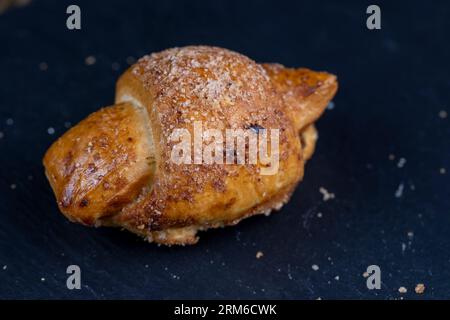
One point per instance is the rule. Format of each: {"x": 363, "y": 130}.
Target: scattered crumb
{"x": 442, "y": 171}
{"x": 90, "y": 60}
{"x": 315, "y": 267}
{"x": 402, "y": 290}
{"x": 420, "y": 288}
{"x": 13, "y": 186}
{"x": 289, "y": 274}
{"x": 319, "y": 215}
{"x": 399, "y": 191}
{"x": 331, "y": 105}
{"x": 259, "y": 255}
{"x": 336, "y": 278}
{"x": 443, "y": 114}
{"x": 365, "y": 274}
{"x": 43, "y": 66}
{"x": 51, "y": 130}
{"x": 115, "y": 66}
{"x": 67, "y": 124}
{"x": 42, "y": 279}
{"x": 146, "y": 265}
{"x": 9, "y": 122}
{"x": 403, "y": 247}
{"x": 5, "y": 267}
{"x": 410, "y": 234}
{"x": 131, "y": 60}
{"x": 326, "y": 195}
{"x": 319, "y": 298}
{"x": 391, "y": 157}
{"x": 401, "y": 163}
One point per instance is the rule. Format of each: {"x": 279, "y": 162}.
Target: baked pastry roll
{"x": 117, "y": 167}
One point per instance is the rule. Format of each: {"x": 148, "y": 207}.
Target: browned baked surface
{"x": 126, "y": 147}
{"x": 101, "y": 164}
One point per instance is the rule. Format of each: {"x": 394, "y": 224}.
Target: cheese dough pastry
{"x": 116, "y": 167}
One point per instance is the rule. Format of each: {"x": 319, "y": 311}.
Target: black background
{"x": 393, "y": 84}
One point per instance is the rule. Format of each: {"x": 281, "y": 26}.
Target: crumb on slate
{"x": 9, "y": 121}
{"x": 13, "y": 186}
{"x": 90, "y": 60}
{"x": 259, "y": 254}
{"x": 391, "y": 157}
{"x": 403, "y": 247}
{"x": 402, "y": 290}
{"x": 399, "y": 191}
{"x": 401, "y": 163}
{"x": 420, "y": 288}
{"x": 365, "y": 274}
{"x": 319, "y": 215}
{"x": 315, "y": 267}
{"x": 443, "y": 114}
{"x": 326, "y": 195}
{"x": 442, "y": 171}
{"x": 51, "y": 130}
{"x": 5, "y": 267}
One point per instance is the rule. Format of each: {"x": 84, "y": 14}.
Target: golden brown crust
{"x": 167, "y": 202}
{"x": 308, "y": 138}
{"x": 305, "y": 93}
{"x": 101, "y": 164}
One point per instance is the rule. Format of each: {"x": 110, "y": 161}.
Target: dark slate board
{"x": 393, "y": 84}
